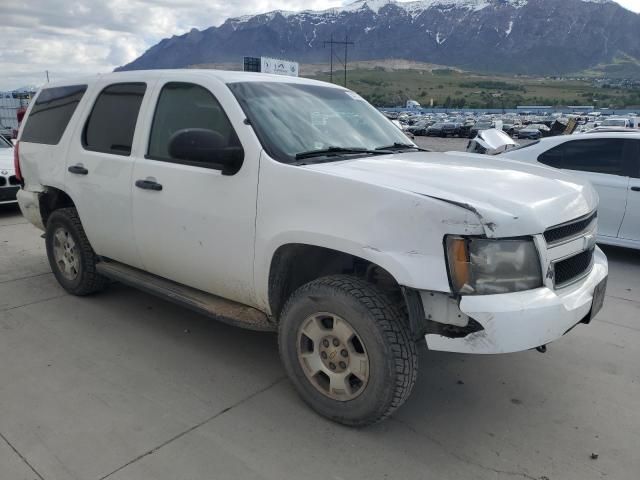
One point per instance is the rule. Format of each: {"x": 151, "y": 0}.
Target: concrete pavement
{"x": 124, "y": 386}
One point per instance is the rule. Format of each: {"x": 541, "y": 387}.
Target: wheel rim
{"x": 332, "y": 356}
{"x": 65, "y": 254}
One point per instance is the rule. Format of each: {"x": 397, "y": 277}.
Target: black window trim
{"x": 633, "y": 165}
{"x": 83, "y": 135}
{"x": 627, "y": 167}
{"x": 191, "y": 163}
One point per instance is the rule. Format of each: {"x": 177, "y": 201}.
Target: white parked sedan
{"x": 611, "y": 161}
{"x": 8, "y": 182}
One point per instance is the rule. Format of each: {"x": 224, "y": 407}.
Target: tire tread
{"x": 92, "y": 280}
{"x": 393, "y": 325}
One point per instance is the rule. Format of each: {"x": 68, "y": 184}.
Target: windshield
{"x": 291, "y": 119}
{"x": 483, "y": 125}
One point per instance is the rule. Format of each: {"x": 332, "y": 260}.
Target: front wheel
{"x": 346, "y": 348}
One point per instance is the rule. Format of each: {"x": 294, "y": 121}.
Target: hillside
{"x": 504, "y": 36}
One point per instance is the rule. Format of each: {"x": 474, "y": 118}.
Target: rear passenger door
{"x": 631, "y": 224}
{"x": 194, "y": 225}
{"x": 99, "y": 168}
{"x": 602, "y": 162}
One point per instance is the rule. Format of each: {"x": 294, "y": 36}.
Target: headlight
{"x": 480, "y": 266}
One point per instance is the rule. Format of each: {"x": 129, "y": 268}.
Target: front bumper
{"x": 519, "y": 321}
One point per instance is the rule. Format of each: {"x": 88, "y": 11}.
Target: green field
{"x": 456, "y": 89}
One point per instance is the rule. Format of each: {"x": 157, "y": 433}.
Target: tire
{"x": 76, "y": 272}
{"x": 380, "y": 336}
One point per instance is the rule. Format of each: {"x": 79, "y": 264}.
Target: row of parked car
{"x": 517, "y": 126}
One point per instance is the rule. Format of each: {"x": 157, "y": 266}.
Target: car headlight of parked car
{"x": 481, "y": 266}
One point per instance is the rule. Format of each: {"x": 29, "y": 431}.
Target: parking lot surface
{"x": 125, "y": 386}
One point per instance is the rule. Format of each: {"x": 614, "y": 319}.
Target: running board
{"x": 226, "y": 311}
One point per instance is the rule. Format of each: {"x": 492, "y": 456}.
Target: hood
{"x": 6, "y": 159}
{"x": 511, "y": 198}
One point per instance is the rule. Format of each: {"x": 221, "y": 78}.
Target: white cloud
{"x": 79, "y": 37}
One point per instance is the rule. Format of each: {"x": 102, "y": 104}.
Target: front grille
{"x": 573, "y": 268}
{"x": 8, "y": 194}
{"x": 569, "y": 230}
{"x": 3, "y": 181}
{"x": 13, "y": 180}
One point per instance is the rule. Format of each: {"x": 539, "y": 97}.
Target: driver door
{"x": 196, "y": 226}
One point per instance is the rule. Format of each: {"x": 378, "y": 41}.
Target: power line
{"x": 346, "y": 44}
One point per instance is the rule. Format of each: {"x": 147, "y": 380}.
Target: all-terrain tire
{"x": 86, "y": 279}
{"x": 381, "y": 327}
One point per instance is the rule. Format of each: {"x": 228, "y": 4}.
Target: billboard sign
{"x": 279, "y": 67}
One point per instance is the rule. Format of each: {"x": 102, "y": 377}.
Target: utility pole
{"x": 47, "y": 72}
{"x": 343, "y": 60}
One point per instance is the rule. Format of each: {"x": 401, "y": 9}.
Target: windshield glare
{"x": 292, "y": 118}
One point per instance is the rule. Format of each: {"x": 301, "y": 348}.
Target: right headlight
{"x": 482, "y": 266}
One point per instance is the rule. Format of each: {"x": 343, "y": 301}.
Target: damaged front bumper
{"x": 519, "y": 321}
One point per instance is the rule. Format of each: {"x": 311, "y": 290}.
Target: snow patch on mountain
{"x": 509, "y": 29}
{"x": 413, "y": 8}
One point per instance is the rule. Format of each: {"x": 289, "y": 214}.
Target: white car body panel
{"x": 220, "y": 233}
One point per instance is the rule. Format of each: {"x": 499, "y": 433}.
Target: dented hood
{"x": 510, "y": 198}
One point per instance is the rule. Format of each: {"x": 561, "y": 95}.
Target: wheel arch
{"x": 52, "y": 199}
{"x": 295, "y": 264}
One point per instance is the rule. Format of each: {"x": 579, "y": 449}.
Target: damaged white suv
{"x": 289, "y": 205}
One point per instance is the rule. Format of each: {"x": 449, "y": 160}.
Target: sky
{"x": 77, "y": 37}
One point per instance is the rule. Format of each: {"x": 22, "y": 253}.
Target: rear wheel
{"x": 347, "y": 350}
{"x": 70, "y": 255}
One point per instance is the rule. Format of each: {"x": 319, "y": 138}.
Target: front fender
{"x": 398, "y": 230}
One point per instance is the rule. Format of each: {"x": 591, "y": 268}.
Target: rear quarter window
{"x": 51, "y": 114}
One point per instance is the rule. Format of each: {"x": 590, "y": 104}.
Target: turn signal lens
{"x": 458, "y": 262}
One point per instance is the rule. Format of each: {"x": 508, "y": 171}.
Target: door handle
{"x": 635, "y": 189}
{"x": 149, "y": 185}
{"x": 78, "y": 169}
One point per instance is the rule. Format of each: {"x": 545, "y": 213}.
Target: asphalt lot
{"x": 125, "y": 386}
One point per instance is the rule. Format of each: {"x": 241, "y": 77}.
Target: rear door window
{"x": 112, "y": 122}
{"x": 601, "y": 155}
{"x": 51, "y": 113}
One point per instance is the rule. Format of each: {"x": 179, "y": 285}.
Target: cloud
{"x": 81, "y": 37}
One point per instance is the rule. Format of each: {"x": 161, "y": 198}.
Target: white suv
{"x": 289, "y": 205}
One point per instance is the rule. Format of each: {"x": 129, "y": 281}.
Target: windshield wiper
{"x": 335, "y": 151}
{"x": 403, "y": 146}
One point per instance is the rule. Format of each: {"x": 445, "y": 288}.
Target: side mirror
{"x": 206, "y": 147}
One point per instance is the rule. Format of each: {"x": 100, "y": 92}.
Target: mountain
{"x": 506, "y": 36}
